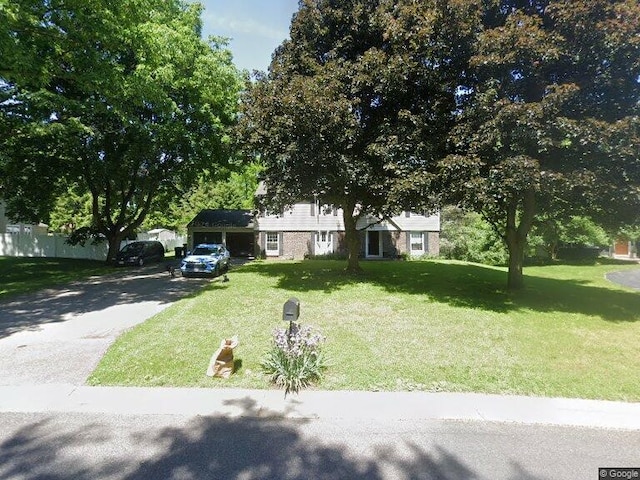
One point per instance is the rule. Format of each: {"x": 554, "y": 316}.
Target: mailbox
{"x": 291, "y": 310}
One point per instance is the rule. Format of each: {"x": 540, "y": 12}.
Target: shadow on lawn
{"x": 462, "y": 285}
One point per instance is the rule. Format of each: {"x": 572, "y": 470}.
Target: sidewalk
{"x": 402, "y": 406}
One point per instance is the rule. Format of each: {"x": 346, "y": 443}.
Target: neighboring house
{"x": 234, "y": 228}
{"x": 625, "y": 248}
{"x": 163, "y": 235}
{"x": 9, "y": 226}
{"x": 309, "y": 229}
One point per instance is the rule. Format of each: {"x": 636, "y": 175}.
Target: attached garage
{"x": 234, "y": 228}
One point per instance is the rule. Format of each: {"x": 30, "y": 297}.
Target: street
{"x": 96, "y": 446}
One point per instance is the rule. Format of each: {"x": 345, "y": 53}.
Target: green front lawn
{"x": 431, "y": 325}
{"x": 28, "y": 274}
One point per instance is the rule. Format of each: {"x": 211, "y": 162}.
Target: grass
{"x": 28, "y": 274}
{"x": 428, "y": 325}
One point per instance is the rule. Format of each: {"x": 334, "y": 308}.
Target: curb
{"x": 401, "y": 406}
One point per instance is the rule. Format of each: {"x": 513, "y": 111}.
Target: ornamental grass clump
{"x": 295, "y": 359}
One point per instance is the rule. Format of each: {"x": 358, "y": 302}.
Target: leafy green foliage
{"x": 359, "y": 98}
{"x": 553, "y": 232}
{"x": 549, "y": 116}
{"x": 124, "y": 99}
{"x": 71, "y": 211}
{"x": 295, "y": 360}
{"x": 235, "y": 192}
{"x": 467, "y": 236}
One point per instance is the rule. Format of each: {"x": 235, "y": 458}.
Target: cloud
{"x": 244, "y": 26}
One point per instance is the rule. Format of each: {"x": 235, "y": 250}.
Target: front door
{"x": 374, "y": 249}
{"x": 324, "y": 243}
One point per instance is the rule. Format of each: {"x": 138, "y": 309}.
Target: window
{"x": 272, "y": 243}
{"x": 417, "y": 242}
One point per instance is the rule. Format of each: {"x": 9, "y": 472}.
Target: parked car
{"x": 206, "y": 259}
{"x": 140, "y": 253}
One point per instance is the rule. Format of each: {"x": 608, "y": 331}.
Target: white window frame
{"x": 414, "y": 242}
{"x": 272, "y": 243}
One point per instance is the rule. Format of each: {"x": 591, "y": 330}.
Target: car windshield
{"x": 132, "y": 248}
{"x": 205, "y": 251}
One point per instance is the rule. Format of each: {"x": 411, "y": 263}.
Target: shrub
{"x": 467, "y": 236}
{"x": 295, "y": 360}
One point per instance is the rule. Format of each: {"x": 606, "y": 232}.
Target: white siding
{"x": 416, "y": 222}
{"x": 299, "y": 218}
{"x": 303, "y": 217}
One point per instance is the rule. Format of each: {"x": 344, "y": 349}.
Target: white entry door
{"x": 324, "y": 243}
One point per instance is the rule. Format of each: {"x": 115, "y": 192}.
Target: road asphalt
{"x": 54, "y": 427}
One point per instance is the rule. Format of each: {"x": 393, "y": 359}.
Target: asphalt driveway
{"x": 627, "y": 278}
{"x": 59, "y": 335}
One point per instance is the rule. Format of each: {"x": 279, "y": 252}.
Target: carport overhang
{"x": 234, "y": 228}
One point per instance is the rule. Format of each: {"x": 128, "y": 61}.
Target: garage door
{"x": 240, "y": 244}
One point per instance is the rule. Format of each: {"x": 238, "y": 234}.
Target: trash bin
{"x": 178, "y": 252}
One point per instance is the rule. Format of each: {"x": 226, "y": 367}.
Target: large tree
{"x": 124, "y": 99}
{"x": 549, "y": 116}
{"x": 236, "y": 191}
{"x": 361, "y": 96}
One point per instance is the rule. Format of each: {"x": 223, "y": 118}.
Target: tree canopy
{"x": 548, "y": 117}
{"x": 362, "y": 95}
{"x": 124, "y": 99}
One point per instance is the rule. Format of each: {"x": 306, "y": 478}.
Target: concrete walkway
{"x": 51, "y": 341}
{"x": 409, "y": 406}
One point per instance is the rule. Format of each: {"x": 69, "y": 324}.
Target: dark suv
{"x": 140, "y": 253}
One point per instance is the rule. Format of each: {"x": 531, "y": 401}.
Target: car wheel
{"x": 216, "y": 270}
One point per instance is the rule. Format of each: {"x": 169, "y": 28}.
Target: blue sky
{"x": 255, "y": 27}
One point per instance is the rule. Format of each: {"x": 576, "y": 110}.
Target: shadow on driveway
{"x": 127, "y": 286}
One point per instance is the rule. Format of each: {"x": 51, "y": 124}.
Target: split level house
{"x": 311, "y": 229}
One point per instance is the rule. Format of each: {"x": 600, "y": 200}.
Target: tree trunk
{"x": 515, "y": 245}
{"x": 114, "y": 246}
{"x": 516, "y": 237}
{"x": 352, "y": 239}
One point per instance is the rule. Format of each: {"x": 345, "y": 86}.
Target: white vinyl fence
{"x": 27, "y": 245}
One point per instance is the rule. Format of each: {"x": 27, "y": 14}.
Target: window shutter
{"x": 408, "y": 235}
{"x": 313, "y": 243}
{"x": 425, "y": 241}
{"x": 313, "y": 209}
{"x": 263, "y": 243}
{"x": 280, "y": 243}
